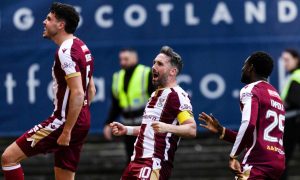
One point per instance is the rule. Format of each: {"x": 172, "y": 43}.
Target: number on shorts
{"x": 145, "y": 172}
{"x": 277, "y": 121}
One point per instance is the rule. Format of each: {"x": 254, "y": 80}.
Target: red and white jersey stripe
{"x": 164, "y": 105}
{"x": 262, "y": 127}
{"x": 73, "y": 58}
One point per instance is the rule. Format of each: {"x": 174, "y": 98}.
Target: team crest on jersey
{"x": 161, "y": 102}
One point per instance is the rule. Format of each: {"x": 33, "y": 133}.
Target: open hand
{"x": 211, "y": 123}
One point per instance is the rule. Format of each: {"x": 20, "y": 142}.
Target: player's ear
{"x": 61, "y": 24}
{"x": 173, "y": 71}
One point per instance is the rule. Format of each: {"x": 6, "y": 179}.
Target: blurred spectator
{"x": 291, "y": 97}
{"x": 131, "y": 89}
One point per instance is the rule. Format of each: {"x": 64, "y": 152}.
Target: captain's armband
{"x": 184, "y": 115}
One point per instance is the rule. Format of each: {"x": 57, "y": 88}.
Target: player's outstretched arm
{"x": 187, "y": 129}
{"x": 213, "y": 125}
{"x": 119, "y": 129}
{"x": 91, "y": 90}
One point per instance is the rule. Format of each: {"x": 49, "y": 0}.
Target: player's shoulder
{"x": 178, "y": 90}
{"x": 182, "y": 95}
{"x": 249, "y": 90}
{"x": 65, "y": 46}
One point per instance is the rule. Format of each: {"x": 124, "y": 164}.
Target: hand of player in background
{"x": 235, "y": 167}
{"x": 64, "y": 139}
{"x": 107, "y": 132}
{"x": 159, "y": 127}
{"x": 211, "y": 123}
{"x": 118, "y": 129}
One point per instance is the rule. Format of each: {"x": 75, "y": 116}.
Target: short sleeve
{"x": 185, "y": 108}
{"x": 68, "y": 63}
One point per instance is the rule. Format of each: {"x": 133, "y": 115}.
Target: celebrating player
{"x": 262, "y": 126}
{"x": 66, "y": 129}
{"x": 167, "y": 117}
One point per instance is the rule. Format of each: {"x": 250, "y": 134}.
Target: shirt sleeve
{"x": 185, "y": 108}
{"x": 229, "y": 135}
{"x": 68, "y": 62}
{"x": 250, "y": 103}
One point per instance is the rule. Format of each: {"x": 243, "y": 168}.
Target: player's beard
{"x": 161, "y": 80}
{"x": 49, "y": 34}
{"x": 245, "y": 78}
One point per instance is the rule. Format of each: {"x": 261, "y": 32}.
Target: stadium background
{"x": 213, "y": 37}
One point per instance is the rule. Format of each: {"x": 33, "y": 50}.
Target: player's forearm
{"x": 228, "y": 135}
{"x": 91, "y": 90}
{"x": 92, "y": 93}
{"x": 75, "y": 105}
{"x": 244, "y": 137}
{"x": 185, "y": 130}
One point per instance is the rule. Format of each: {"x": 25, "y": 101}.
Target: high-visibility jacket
{"x": 136, "y": 96}
{"x": 295, "y": 76}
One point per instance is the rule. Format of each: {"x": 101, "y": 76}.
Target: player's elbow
{"x": 78, "y": 94}
{"x": 192, "y": 131}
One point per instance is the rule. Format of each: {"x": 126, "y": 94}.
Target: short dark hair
{"x": 262, "y": 63}
{"x": 294, "y": 53}
{"x": 175, "y": 58}
{"x": 66, "y": 13}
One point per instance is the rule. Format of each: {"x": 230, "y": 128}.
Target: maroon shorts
{"x": 143, "y": 170}
{"x": 42, "y": 138}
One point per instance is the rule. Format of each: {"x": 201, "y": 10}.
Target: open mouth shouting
{"x": 155, "y": 75}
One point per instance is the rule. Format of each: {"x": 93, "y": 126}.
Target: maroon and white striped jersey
{"x": 261, "y": 129}
{"x": 73, "y": 58}
{"x": 164, "y": 105}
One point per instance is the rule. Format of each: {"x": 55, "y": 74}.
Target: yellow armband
{"x": 184, "y": 115}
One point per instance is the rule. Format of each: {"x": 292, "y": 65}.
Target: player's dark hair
{"x": 262, "y": 63}
{"x": 66, "y": 13}
{"x": 175, "y": 58}
{"x": 294, "y": 53}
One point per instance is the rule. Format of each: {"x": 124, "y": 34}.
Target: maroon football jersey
{"x": 73, "y": 58}
{"x": 261, "y": 130}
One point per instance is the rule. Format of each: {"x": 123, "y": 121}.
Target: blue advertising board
{"x": 213, "y": 37}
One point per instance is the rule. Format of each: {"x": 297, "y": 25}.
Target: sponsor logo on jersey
{"x": 88, "y": 57}
{"x": 246, "y": 95}
{"x": 84, "y": 48}
{"x": 67, "y": 65}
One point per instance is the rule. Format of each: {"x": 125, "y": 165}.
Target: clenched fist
{"x": 160, "y": 127}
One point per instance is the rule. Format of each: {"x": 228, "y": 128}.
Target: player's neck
{"x": 60, "y": 38}
{"x": 259, "y": 78}
{"x": 171, "y": 84}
